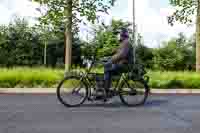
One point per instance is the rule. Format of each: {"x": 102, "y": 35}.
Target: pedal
{"x": 90, "y": 99}
{"x": 105, "y": 100}
{"x": 99, "y": 98}
{"x": 111, "y": 93}
{"x": 133, "y": 93}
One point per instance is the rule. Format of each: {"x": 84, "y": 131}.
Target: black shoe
{"x": 110, "y": 93}
{"x": 99, "y": 95}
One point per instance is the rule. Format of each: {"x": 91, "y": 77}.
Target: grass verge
{"x": 24, "y": 77}
{"x": 179, "y": 79}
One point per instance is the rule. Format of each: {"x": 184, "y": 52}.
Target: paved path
{"x": 44, "y": 114}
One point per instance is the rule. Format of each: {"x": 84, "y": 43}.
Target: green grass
{"x": 29, "y": 77}
{"x": 47, "y": 77}
{"x": 180, "y": 79}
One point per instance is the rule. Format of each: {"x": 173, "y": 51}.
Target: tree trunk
{"x": 68, "y": 36}
{"x": 198, "y": 38}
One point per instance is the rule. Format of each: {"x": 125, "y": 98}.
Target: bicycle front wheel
{"x": 133, "y": 93}
{"x": 72, "y": 92}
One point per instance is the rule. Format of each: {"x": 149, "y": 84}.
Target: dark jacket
{"x": 121, "y": 56}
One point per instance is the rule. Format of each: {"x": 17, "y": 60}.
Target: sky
{"x": 151, "y": 17}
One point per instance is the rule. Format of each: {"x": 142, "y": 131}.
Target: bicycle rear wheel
{"x": 133, "y": 93}
{"x": 72, "y": 92}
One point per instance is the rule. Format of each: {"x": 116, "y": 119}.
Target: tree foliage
{"x": 19, "y": 44}
{"x": 144, "y": 55}
{"x": 22, "y": 45}
{"x": 106, "y": 37}
{"x": 55, "y": 14}
{"x": 185, "y": 9}
{"x": 175, "y": 54}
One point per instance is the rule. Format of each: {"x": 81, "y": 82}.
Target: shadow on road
{"x": 106, "y": 105}
{"x": 156, "y": 102}
{"x": 149, "y": 103}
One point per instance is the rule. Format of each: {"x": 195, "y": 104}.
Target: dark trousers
{"x": 110, "y": 69}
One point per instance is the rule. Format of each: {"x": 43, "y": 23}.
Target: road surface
{"x": 44, "y": 114}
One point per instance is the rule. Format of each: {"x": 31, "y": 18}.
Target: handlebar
{"x": 105, "y": 59}
{"x": 94, "y": 62}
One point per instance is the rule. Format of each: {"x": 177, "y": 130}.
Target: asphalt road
{"x": 44, "y": 114}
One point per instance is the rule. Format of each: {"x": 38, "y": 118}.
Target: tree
{"x": 65, "y": 12}
{"x": 176, "y": 54}
{"x": 192, "y": 47}
{"x": 144, "y": 55}
{"x": 186, "y": 9}
{"x": 19, "y": 44}
{"x": 106, "y": 36}
{"x": 3, "y": 42}
{"x": 46, "y": 36}
{"x": 56, "y": 52}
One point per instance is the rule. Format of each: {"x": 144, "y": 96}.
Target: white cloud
{"x": 151, "y": 20}
{"x": 153, "y": 24}
{"x": 4, "y": 13}
{"x": 23, "y": 8}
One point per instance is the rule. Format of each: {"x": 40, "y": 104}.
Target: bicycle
{"x": 135, "y": 75}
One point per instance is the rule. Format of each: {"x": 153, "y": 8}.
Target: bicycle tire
{"x": 61, "y": 99}
{"x": 123, "y": 99}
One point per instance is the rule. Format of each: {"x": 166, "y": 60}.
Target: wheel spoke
{"x": 72, "y": 91}
{"x": 76, "y": 92}
{"x": 133, "y": 93}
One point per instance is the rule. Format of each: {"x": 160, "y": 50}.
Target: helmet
{"x": 124, "y": 33}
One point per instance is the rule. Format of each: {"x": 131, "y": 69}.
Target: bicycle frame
{"x": 90, "y": 81}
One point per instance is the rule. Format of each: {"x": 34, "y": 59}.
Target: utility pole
{"x": 198, "y": 38}
{"x": 134, "y": 31}
{"x": 45, "y": 52}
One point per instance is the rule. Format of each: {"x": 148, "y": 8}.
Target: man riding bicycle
{"x": 118, "y": 61}
{"x": 121, "y": 62}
